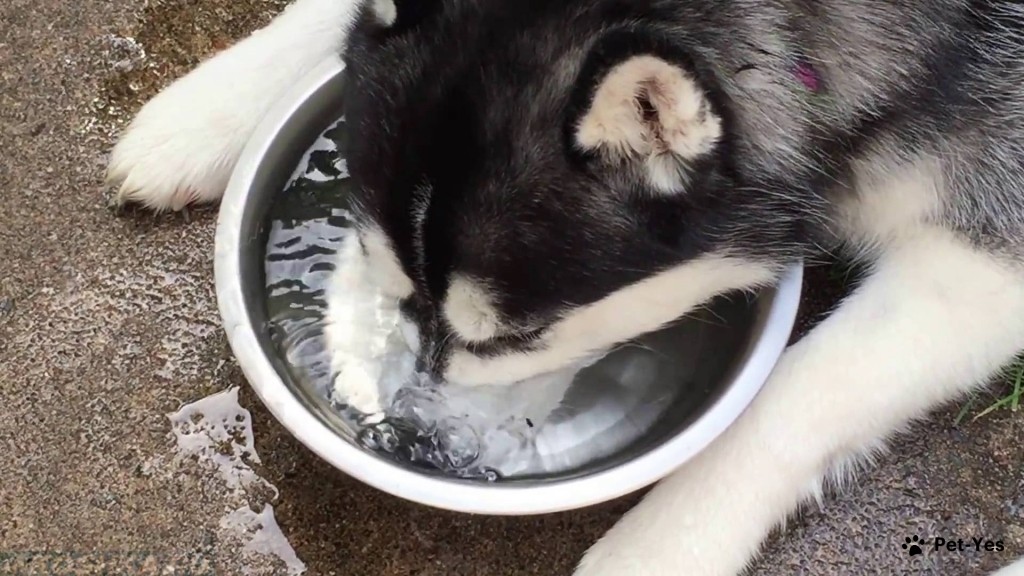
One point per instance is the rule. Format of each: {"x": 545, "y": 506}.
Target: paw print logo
{"x": 911, "y": 545}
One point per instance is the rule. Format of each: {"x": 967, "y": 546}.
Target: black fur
{"x": 481, "y": 128}
{"x": 469, "y": 106}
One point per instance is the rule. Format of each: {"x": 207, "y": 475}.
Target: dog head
{"x": 537, "y": 182}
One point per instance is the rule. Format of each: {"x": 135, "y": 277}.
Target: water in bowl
{"x": 551, "y": 424}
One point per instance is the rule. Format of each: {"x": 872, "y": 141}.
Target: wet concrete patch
{"x": 173, "y": 36}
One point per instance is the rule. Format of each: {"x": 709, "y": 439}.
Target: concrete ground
{"x": 108, "y": 323}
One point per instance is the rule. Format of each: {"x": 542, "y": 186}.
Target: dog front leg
{"x": 934, "y": 319}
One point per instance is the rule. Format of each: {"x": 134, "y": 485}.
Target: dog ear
{"x": 400, "y": 15}
{"x": 648, "y": 110}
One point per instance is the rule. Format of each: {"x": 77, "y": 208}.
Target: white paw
{"x": 709, "y": 517}
{"x": 183, "y": 145}
{"x": 666, "y": 536}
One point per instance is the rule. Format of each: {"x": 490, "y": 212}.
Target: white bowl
{"x": 733, "y": 363}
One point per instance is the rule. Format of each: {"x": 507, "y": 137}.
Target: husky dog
{"x": 541, "y": 180}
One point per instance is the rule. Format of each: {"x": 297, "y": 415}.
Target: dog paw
{"x": 183, "y": 145}
{"x": 706, "y": 519}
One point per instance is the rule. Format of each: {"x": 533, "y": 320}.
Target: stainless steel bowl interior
{"x": 729, "y": 352}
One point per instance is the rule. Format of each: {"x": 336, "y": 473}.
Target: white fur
{"x": 384, "y": 269}
{"x": 183, "y": 144}
{"x": 385, "y": 11}
{"x": 891, "y": 202}
{"x": 684, "y": 128}
{"x": 361, "y": 331}
{"x": 469, "y": 310}
{"x": 624, "y": 314}
{"x": 935, "y": 319}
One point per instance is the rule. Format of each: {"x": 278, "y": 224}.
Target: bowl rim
{"x": 451, "y": 493}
